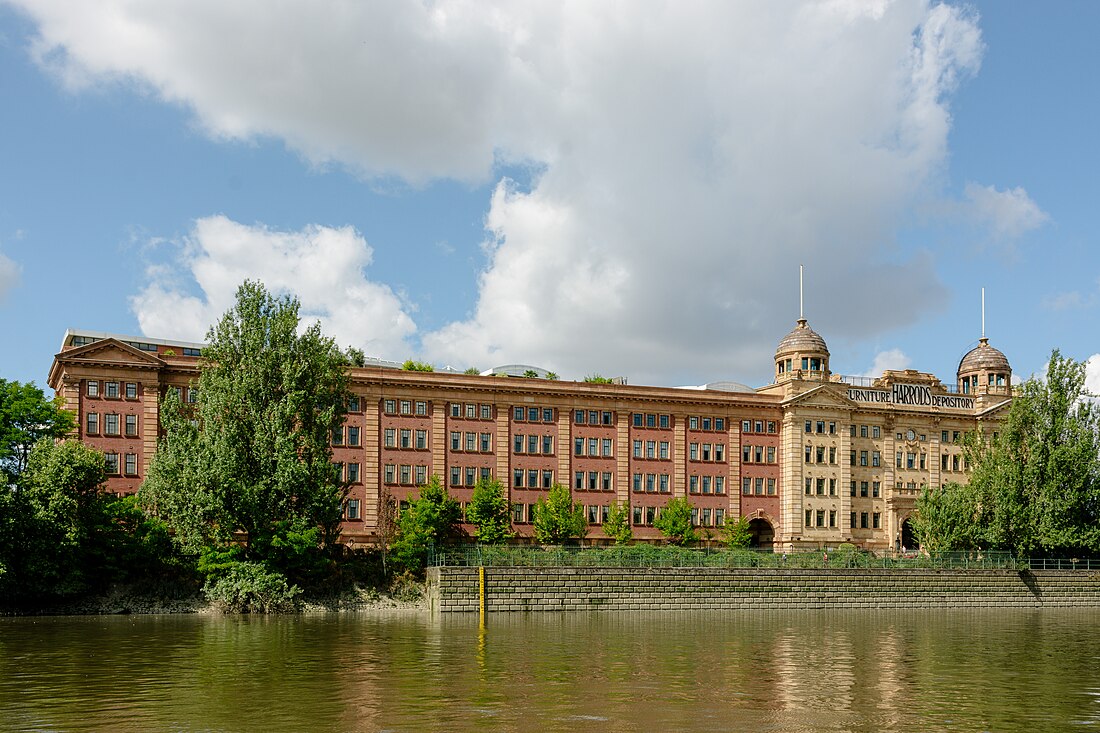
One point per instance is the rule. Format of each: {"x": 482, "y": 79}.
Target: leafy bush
{"x": 249, "y": 587}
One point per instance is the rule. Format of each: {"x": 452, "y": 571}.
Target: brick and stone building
{"x": 813, "y": 459}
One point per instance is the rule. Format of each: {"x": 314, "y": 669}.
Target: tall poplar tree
{"x": 252, "y": 459}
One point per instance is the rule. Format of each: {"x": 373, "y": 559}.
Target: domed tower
{"x": 802, "y": 354}
{"x": 984, "y": 370}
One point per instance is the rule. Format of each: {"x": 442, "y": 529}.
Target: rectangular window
{"x": 390, "y": 407}
{"x": 923, "y": 458}
{"x": 943, "y": 437}
{"x": 636, "y": 482}
{"x": 353, "y": 404}
{"x": 131, "y": 464}
{"x": 821, "y": 487}
{"x": 131, "y": 425}
{"x": 821, "y": 454}
{"x": 578, "y": 480}
{"x": 517, "y": 513}
{"x": 852, "y": 488}
{"x": 876, "y": 431}
{"x": 637, "y": 518}
{"x": 456, "y": 409}
{"x": 517, "y": 478}
{"x": 693, "y": 423}
{"x": 532, "y": 414}
{"x": 693, "y": 484}
{"x": 547, "y": 479}
{"x": 131, "y": 390}
{"x": 517, "y": 444}
{"x": 832, "y": 487}
{"x": 720, "y": 452}
{"x": 593, "y": 446}
{"x": 406, "y": 437}
{"x": 759, "y": 482}
{"x": 820, "y": 427}
{"x": 719, "y": 424}
{"x": 406, "y": 407}
{"x": 532, "y": 444}
{"x": 422, "y": 439}
{"x": 863, "y": 520}
{"x": 579, "y": 416}
{"x": 607, "y": 418}
{"x": 832, "y": 455}
{"x": 637, "y": 419}
{"x": 771, "y": 454}
{"x": 486, "y": 412}
{"x": 486, "y": 444}
{"x": 863, "y": 458}
{"x": 863, "y": 488}
{"x": 547, "y": 414}
{"x": 93, "y": 388}
{"x": 406, "y": 474}
{"x": 547, "y": 444}
{"x": 471, "y": 475}
{"x": 809, "y": 518}
{"x": 832, "y": 428}
{"x": 809, "y": 453}
{"x": 456, "y": 440}
{"x": 852, "y": 520}
{"x": 110, "y": 389}
{"x": 771, "y": 426}
{"x": 771, "y": 487}
{"x": 388, "y": 473}
{"x": 876, "y": 458}
{"x": 518, "y": 413}
{"x": 532, "y": 478}
{"x": 607, "y": 448}
{"x": 578, "y": 446}
{"x": 706, "y": 455}
{"x": 352, "y": 509}
{"x": 746, "y": 486}
{"x": 353, "y": 473}
{"x": 758, "y": 426}
{"x": 606, "y": 481}
{"x": 593, "y": 480}
{"x": 876, "y": 520}
{"x": 456, "y": 475}
{"x": 746, "y": 426}
{"x": 809, "y": 426}
{"x": 863, "y": 431}
{"x": 421, "y": 475}
{"x": 876, "y": 489}
{"x": 910, "y": 460}
{"x": 706, "y": 484}
{"x": 943, "y": 462}
{"x": 693, "y": 451}
{"x": 746, "y": 453}
{"x": 110, "y": 425}
{"x": 719, "y": 517}
{"x": 706, "y": 423}
{"x": 337, "y": 436}
{"x": 650, "y": 420}
{"x": 421, "y": 408}
{"x": 651, "y": 449}
{"x": 820, "y": 517}
{"x": 637, "y": 452}
{"x": 389, "y": 437}
{"x": 809, "y": 486}
{"x": 112, "y": 462}
{"x": 353, "y": 435}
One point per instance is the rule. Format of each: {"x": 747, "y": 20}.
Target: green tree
{"x": 472, "y": 371}
{"x": 432, "y": 518}
{"x": 260, "y": 466}
{"x": 736, "y": 532}
{"x": 489, "y": 510}
{"x": 26, "y": 416}
{"x": 417, "y": 366}
{"x": 355, "y": 357}
{"x": 674, "y": 522}
{"x": 557, "y": 518}
{"x": 598, "y": 379}
{"x": 552, "y": 376}
{"x": 949, "y": 519}
{"x": 617, "y": 524}
{"x": 1035, "y": 483}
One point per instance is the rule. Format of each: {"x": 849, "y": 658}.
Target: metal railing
{"x": 664, "y": 556}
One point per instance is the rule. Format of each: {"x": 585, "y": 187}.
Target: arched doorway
{"x": 908, "y": 537}
{"x": 762, "y": 533}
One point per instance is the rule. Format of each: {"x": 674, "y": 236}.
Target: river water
{"x": 702, "y": 671}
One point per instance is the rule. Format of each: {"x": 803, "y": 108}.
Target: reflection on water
{"x": 798, "y": 671}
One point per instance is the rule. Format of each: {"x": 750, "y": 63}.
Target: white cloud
{"x": 1092, "y": 375}
{"x": 323, "y": 266}
{"x": 691, "y": 154}
{"x": 9, "y": 275}
{"x": 1006, "y": 214}
{"x": 889, "y": 359}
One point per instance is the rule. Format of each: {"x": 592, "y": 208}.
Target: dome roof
{"x": 802, "y": 339}
{"x": 984, "y": 357}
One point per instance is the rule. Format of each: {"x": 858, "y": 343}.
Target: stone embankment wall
{"x": 456, "y": 589}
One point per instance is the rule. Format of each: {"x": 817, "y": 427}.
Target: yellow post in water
{"x": 481, "y": 583}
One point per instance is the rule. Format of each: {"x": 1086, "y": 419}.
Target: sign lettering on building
{"x": 918, "y": 395}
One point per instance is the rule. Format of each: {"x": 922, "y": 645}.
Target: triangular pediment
{"x": 993, "y": 410}
{"x": 823, "y": 396}
{"x": 110, "y": 351}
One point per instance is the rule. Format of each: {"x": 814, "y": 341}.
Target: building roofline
{"x": 100, "y": 335}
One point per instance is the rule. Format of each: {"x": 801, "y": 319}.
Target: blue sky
{"x": 581, "y": 188}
